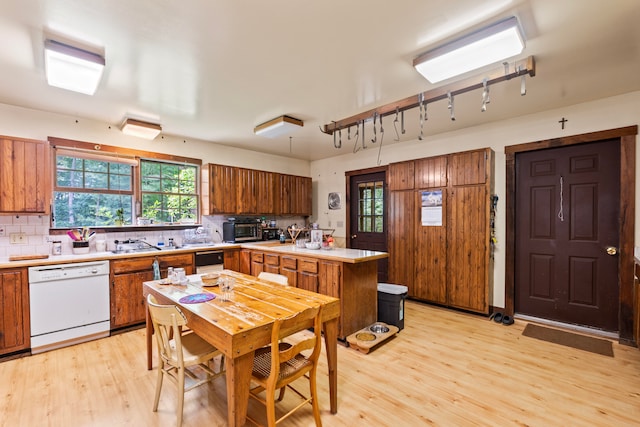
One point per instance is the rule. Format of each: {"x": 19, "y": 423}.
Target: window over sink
{"x": 110, "y": 189}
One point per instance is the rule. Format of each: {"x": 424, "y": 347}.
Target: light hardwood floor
{"x": 445, "y": 368}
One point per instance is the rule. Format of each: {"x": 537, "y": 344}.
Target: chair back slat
{"x": 167, "y": 322}
{"x": 282, "y": 328}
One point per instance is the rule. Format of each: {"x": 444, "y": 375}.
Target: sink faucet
{"x": 143, "y": 243}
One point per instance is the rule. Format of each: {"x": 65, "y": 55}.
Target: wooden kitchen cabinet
{"x": 245, "y": 261}
{"x": 295, "y": 195}
{"x": 401, "y": 175}
{"x": 401, "y": 226}
{"x": 221, "y": 179}
{"x": 271, "y": 263}
{"x": 233, "y": 190}
{"x": 285, "y": 192}
{"x": 126, "y": 277}
{"x": 246, "y": 191}
{"x": 308, "y": 274}
{"x": 355, "y": 284}
{"x": 15, "y": 330}
{"x": 257, "y": 263}
{"x": 232, "y": 259}
{"x": 25, "y": 177}
{"x": 448, "y": 264}
{"x": 265, "y": 192}
{"x": 289, "y": 268}
{"x": 301, "y": 196}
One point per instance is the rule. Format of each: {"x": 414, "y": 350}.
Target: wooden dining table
{"x": 242, "y": 324}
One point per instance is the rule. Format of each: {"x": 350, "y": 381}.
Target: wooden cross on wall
{"x": 563, "y": 121}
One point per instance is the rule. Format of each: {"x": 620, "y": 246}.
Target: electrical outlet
{"x": 2, "y": 232}
{"x": 18, "y": 238}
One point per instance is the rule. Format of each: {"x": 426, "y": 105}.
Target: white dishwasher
{"x": 68, "y": 304}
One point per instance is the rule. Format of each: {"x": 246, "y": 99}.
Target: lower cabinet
{"x": 14, "y": 308}
{"x": 355, "y": 284}
{"x": 232, "y": 259}
{"x": 127, "y": 275}
{"x": 289, "y": 268}
{"x": 308, "y": 274}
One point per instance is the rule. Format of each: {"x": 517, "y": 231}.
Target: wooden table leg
{"x": 238, "y": 383}
{"x": 331, "y": 345}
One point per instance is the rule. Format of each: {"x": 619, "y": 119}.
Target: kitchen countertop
{"x": 108, "y": 255}
{"x": 335, "y": 254}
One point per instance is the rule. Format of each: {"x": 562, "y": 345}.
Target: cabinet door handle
{"x": 353, "y": 236}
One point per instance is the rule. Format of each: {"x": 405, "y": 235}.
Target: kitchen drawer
{"x": 146, "y": 263}
{"x": 289, "y": 263}
{"x": 271, "y": 259}
{"x": 308, "y": 265}
{"x": 257, "y": 257}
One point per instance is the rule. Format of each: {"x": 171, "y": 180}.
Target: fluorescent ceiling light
{"x": 71, "y": 68}
{"x": 277, "y": 127}
{"x": 141, "y": 129}
{"x": 486, "y": 46}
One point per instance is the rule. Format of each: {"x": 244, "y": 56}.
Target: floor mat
{"x": 581, "y": 342}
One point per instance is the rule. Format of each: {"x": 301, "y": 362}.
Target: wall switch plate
{"x": 18, "y": 238}
{"x": 2, "y": 232}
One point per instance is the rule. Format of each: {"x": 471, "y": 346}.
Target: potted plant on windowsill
{"x": 119, "y": 216}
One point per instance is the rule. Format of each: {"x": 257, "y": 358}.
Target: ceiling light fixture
{"x": 141, "y": 129}
{"x": 72, "y": 68}
{"x": 278, "y": 126}
{"x": 494, "y": 43}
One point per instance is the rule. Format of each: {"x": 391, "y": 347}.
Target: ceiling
{"x": 214, "y": 69}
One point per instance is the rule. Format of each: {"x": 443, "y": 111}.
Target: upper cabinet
{"x": 25, "y": 180}
{"x": 295, "y": 195}
{"x": 232, "y": 190}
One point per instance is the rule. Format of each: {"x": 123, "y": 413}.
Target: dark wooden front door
{"x": 367, "y": 216}
{"x": 566, "y": 216}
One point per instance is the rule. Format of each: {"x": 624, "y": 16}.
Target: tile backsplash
{"x": 39, "y": 241}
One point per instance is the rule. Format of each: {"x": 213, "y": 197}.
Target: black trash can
{"x": 391, "y": 304}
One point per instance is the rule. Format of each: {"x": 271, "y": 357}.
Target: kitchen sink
{"x": 141, "y": 250}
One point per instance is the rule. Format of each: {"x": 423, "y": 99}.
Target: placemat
{"x": 196, "y": 298}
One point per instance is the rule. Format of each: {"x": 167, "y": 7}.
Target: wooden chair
{"x": 276, "y": 366}
{"x": 273, "y": 277}
{"x": 178, "y": 352}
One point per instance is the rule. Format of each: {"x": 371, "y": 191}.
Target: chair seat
{"x": 194, "y": 349}
{"x": 262, "y": 363}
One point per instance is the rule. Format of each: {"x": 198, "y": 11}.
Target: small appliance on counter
{"x": 241, "y": 230}
{"x": 270, "y": 233}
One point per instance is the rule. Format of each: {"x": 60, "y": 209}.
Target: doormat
{"x": 581, "y": 342}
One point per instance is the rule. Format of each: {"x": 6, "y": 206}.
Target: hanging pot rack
{"x": 497, "y": 75}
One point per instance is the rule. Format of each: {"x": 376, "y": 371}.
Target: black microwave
{"x": 234, "y": 232}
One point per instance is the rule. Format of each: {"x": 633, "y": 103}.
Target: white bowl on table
{"x": 313, "y": 245}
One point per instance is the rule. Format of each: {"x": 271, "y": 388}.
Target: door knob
{"x": 353, "y": 236}
{"x": 612, "y": 250}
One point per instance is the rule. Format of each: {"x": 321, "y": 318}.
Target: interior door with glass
{"x": 367, "y": 216}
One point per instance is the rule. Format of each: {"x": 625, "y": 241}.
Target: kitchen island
{"x": 348, "y": 274}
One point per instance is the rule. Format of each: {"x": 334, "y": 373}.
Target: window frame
{"x": 125, "y": 155}
{"x": 141, "y": 192}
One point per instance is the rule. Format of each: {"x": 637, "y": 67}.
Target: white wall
{"x": 34, "y": 124}
{"x": 620, "y": 111}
